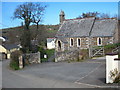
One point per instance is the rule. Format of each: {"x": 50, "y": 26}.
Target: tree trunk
{"x": 37, "y": 26}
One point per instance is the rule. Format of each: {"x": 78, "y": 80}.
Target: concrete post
{"x": 21, "y": 62}
{"x": 39, "y": 60}
{"x": 110, "y": 66}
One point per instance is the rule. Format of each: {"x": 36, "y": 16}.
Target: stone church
{"x": 77, "y": 34}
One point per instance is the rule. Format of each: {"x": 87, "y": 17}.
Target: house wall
{"x": 66, "y": 50}
{"x": 84, "y": 43}
{"x": 57, "y": 48}
{"x": 116, "y": 36}
{"x": 51, "y": 45}
{"x": 105, "y": 41}
{"x": 14, "y": 49}
{"x": 2, "y": 49}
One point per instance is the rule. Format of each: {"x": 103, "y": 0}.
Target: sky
{"x": 51, "y": 17}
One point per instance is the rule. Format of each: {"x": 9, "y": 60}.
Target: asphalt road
{"x": 0, "y": 74}
{"x": 87, "y": 74}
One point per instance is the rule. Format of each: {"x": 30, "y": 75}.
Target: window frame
{"x": 71, "y": 43}
{"x": 78, "y": 42}
{"x": 99, "y": 38}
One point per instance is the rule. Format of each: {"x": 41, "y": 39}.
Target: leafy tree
{"x": 30, "y": 13}
{"x": 89, "y": 14}
{"x": 97, "y": 15}
{"x": 104, "y": 15}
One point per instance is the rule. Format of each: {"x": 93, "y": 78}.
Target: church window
{"x": 99, "y": 41}
{"x": 59, "y": 44}
{"x": 78, "y": 42}
{"x": 71, "y": 41}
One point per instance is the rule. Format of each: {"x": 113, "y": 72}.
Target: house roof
{"x": 50, "y": 39}
{"x": 10, "y": 46}
{"x": 82, "y": 27}
{"x": 104, "y": 28}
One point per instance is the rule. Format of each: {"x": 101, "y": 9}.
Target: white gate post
{"x": 110, "y": 66}
{"x": 39, "y": 60}
{"x": 21, "y": 62}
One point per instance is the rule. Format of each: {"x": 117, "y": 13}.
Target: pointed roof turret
{"x": 62, "y": 13}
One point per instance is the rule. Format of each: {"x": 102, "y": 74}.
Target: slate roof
{"x": 50, "y": 39}
{"x": 103, "y": 28}
{"x": 10, "y": 46}
{"x": 82, "y": 28}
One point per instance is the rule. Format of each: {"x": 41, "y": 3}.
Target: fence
{"x": 99, "y": 51}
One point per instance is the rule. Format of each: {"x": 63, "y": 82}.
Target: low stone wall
{"x": 67, "y": 55}
{"x": 34, "y": 57}
{"x": 112, "y": 65}
{"x": 29, "y": 59}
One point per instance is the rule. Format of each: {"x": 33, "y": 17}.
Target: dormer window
{"x": 71, "y": 41}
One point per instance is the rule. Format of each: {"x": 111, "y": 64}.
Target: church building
{"x": 76, "y": 34}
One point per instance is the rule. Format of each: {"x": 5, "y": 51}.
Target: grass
{"x": 110, "y": 47}
{"x": 44, "y": 60}
{"x": 14, "y": 65}
{"x": 49, "y": 53}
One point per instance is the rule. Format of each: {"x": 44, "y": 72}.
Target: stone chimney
{"x": 62, "y": 16}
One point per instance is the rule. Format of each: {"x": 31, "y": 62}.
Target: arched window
{"x": 99, "y": 41}
{"x": 59, "y": 45}
{"x": 71, "y": 41}
{"x": 78, "y": 42}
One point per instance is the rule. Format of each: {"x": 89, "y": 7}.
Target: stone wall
{"x": 33, "y": 57}
{"x": 105, "y": 40}
{"x": 66, "y": 50}
{"x": 84, "y": 43}
{"x": 67, "y": 55}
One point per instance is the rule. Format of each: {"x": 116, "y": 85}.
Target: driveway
{"x": 87, "y": 74}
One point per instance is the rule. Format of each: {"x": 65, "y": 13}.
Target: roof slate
{"x": 10, "y": 46}
{"x": 104, "y": 28}
{"x": 82, "y": 27}
{"x": 50, "y": 39}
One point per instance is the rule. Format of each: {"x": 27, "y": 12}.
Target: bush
{"x": 14, "y": 63}
{"x": 42, "y": 52}
{"x": 84, "y": 54}
{"x": 110, "y": 47}
{"x": 48, "y": 52}
{"x": 117, "y": 79}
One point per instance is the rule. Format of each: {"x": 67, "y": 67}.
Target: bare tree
{"x": 30, "y": 13}
{"x": 38, "y": 13}
{"x": 104, "y": 15}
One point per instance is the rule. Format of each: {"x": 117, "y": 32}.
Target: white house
{"x": 51, "y": 43}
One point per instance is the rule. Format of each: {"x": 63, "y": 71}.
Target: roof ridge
{"x": 78, "y": 18}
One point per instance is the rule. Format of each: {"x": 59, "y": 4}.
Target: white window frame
{"x": 70, "y": 42}
{"x": 98, "y": 41}
{"x": 78, "y": 42}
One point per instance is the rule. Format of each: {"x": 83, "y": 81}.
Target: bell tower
{"x": 62, "y": 16}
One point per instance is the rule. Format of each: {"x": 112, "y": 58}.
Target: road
{"x": 0, "y": 74}
{"x": 88, "y": 74}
